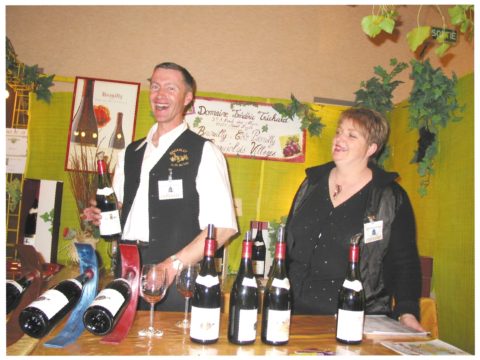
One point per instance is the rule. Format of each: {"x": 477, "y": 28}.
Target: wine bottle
{"x": 16, "y": 288}
{"x": 351, "y": 299}
{"x": 259, "y": 251}
{"x": 31, "y": 224}
{"x": 205, "y": 314}
{"x": 110, "y": 228}
{"x": 117, "y": 140}
{"x": 277, "y": 298}
{"x": 84, "y": 125}
{"x": 243, "y": 307}
{"x": 219, "y": 260}
{"x": 38, "y": 318}
{"x": 104, "y": 312}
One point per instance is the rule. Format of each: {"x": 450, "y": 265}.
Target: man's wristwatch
{"x": 177, "y": 263}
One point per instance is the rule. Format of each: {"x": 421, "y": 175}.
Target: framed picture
{"x": 102, "y": 120}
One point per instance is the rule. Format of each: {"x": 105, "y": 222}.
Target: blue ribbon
{"x": 74, "y": 326}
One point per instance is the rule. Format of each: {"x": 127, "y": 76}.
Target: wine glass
{"x": 185, "y": 284}
{"x": 112, "y": 254}
{"x": 153, "y": 285}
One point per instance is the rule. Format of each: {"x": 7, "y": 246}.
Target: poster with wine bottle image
{"x": 102, "y": 119}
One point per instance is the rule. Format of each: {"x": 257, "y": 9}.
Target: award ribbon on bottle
{"x": 130, "y": 260}
{"x": 30, "y": 260}
{"x": 72, "y": 329}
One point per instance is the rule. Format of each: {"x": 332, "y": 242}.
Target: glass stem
{"x": 186, "y": 310}
{"x": 151, "y": 315}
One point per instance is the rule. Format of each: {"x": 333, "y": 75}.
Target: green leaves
{"x": 461, "y": 16}
{"x": 417, "y": 37}
{"x": 372, "y": 25}
{"x": 432, "y": 103}
{"x": 309, "y": 120}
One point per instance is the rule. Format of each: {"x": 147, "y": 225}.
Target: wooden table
{"x": 306, "y": 332}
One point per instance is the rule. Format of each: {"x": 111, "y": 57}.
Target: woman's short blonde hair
{"x": 371, "y": 123}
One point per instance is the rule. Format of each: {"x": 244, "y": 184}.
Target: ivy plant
{"x": 27, "y": 75}
{"x": 308, "y": 117}
{"x": 377, "y": 94}
{"x": 432, "y": 104}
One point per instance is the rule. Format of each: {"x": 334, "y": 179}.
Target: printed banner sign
{"x": 248, "y": 129}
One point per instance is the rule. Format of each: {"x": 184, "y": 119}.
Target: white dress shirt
{"x": 212, "y": 183}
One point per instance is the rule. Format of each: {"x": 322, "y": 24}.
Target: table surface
{"x": 306, "y": 332}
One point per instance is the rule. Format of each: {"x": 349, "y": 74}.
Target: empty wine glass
{"x": 112, "y": 249}
{"x": 185, "y": 284}
{"x": 153, "y": 285}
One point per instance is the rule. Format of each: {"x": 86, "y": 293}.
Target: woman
{"x": 335, "y": 202}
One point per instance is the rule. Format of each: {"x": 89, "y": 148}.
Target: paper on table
{"x": 383, "y": 325}
{"x": 432, "y": 347}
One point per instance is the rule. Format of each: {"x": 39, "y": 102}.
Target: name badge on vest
{"x": 170, "y": 189}
{"x": 373, "y": 231}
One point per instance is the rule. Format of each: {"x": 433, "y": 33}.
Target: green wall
{"x": 266, "y": 188}
{"x": 445, "y": 216}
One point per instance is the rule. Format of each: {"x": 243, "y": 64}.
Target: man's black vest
{"x": 173, "y": 223}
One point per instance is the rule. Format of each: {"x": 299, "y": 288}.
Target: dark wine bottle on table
{"x": 205, "y": 315}
{"x": 15, "y": 290}
{"x": 243, "y": 307}
{"x": 351, "y": 299}
{"x": 117, "y": 140}
{"x": 38, "y": 318}
{"x": 259, "y": 251}
{"x": 277, "y": 298}
{"x": 31, "y": 224}
{"x": 104, "y": 312}
{"x": 84, "y": 125}
{"x": 110, "y": 228}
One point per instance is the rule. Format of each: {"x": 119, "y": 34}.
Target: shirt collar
{"x": 169, "y": 136}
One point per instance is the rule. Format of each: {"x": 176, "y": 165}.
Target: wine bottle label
{"x": 258, "y": 267}
{"x": 350, "y": 325}
{"x": 50, "y": 303}
{"x": 105, "y": 191}
{"x": 110, "y": 299}
{"x": 207, "y": 281}
{"x": 354, "y": 285}
{"x": 17, "y": 285}
{"x": 110, "y": 224}
{"x": 259, "y": 244}
{"x": 247, "y": 325}
{"x": 29, "y": 240}
{"x": 205, "y": 323}
{"x": 281, "y": 283}
{"x": 278, "y": 325}
{"x": 250, "y": 282}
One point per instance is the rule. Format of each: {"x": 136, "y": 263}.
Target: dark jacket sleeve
{"x": 402, "y": 263}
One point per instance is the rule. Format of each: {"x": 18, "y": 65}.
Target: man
{"x": 172, "y": 184}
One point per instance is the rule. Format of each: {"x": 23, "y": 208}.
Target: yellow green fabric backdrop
{"x": 266, "y": 189}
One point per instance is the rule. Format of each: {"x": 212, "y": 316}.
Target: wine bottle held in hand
{"x": 351, "y": 299}
{"x": 110, "y": 228}
{"x": 277, "y": 298}
{"x": 259, "y": 250}
{"x": 38, "y": 318}
{"x": 243, "y": 307}
{"x": 15, "y": 290}
{"x": 108, "y": 306}
{"x": 205, "y": 316}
